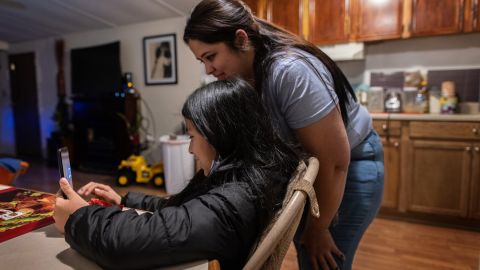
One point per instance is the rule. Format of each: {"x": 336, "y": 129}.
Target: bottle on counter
{"x": 376, "y": 99}
{"x": 422, "y": 100}
{"x": 448, "y": 100}
{"x": 408, "y": 99}
{"x": 434, "y": 100}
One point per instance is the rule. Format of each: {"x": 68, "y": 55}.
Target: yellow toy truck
{"x": 136, "y": 169}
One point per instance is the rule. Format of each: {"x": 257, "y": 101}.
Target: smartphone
{"x": 64, "y": 167}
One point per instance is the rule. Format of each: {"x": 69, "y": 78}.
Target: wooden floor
{"x": 387, "y": 244}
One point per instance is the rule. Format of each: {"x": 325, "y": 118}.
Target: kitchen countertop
{"x": 426, "y": 117}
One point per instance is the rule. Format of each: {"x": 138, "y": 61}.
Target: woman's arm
{"x": 327, "y": 140}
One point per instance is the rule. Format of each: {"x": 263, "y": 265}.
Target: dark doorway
{"x": 23, "y": 85}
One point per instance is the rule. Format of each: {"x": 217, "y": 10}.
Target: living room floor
{"x": 387, "y": 244}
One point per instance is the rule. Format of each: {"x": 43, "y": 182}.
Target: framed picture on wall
{"x": 160, "y": 59}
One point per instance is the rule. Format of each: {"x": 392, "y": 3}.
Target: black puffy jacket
{"x": 221, "y": 224}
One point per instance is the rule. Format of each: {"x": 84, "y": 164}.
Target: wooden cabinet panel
{"x": 329, "y": 21}
{"x": 445, "y": 130}
{"x": 437, "y": 17}
{"x": 474, "y": 10}
{"x": 471, "y": 16}
{"x": 377, "y": 20}
{"x": 475, "y": 196}
{"x": 286, "y": 14}
{"x": 390, "y": 132}
{"x": 258, "y": 7}
{"x": 390, "y": 128}
{"x": 440, "y": 177}
{"x": 391, "y": 150}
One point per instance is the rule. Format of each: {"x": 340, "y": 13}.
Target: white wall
{"x": 164, "y": 100}
{"x": 3, "y": 45}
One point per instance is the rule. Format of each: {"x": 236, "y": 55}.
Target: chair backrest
{"x": 275, "y": 240}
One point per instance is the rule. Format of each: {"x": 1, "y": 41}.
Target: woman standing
{"x": 312, "y": 104}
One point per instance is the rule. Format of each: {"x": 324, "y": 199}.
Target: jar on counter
{"x": 376, "y": 99}
{"x": 448, "y": 100}
{"x": 393, "y": 100}
{"x": 421, "y": 100}
{"x": 409, "y": 96}
{"x": 434, "y": 100}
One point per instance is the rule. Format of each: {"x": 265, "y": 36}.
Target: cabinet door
{"x": 257, "y": 7}
{"x": 329, "y": 21}
{"x": 377, "y": 20}
{"x": 439, "y": 177}
{"x": 437, "y": 17}
{"x": 391, "y": 150}
{"x": 286, "y": 14}
{"x": 475, "y": 15}
{"x": 475, "y": 197}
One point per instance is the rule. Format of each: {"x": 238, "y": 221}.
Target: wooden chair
{"x": 274, "y": 242}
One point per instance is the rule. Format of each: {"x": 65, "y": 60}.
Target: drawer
{"x": 445, "y": 130}
{"x": 384, "y": 127}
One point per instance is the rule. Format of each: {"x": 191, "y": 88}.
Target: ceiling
{"x": 25, "y": 20}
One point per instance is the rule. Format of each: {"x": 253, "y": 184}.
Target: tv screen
{"x": 96, "y": 70}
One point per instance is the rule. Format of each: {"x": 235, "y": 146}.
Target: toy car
{"x": 136, "y": 169}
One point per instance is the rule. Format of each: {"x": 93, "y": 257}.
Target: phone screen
{"x": 64, "y": 167}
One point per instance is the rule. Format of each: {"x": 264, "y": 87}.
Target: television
{"x": 96, "y": 71}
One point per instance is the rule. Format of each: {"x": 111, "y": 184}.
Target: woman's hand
{"x": 103, "y": 191}
{"x": 64, "y": 208}
{"x": 321, "y": 248}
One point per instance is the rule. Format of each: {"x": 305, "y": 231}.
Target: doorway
{"x": 23, "y": 85}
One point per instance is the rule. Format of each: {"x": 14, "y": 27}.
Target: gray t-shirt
{"x": 297, "y": 97}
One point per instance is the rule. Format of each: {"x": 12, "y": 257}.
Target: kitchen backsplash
{"x": 467, "y": 81}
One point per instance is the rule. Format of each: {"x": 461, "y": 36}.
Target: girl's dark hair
{"x": 230, "y": 115}
{"x": 213, "y": 21}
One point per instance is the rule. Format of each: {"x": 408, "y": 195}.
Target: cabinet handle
{"x": 396, "y": 144}
{"x": 477, "y": 149}
{"x": 384, "y": 127}
{"x": 468, "y": 149}
{"x": 474, "y": 130}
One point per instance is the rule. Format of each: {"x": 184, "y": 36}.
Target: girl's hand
{"x": 103, "y": 191}
{"x": 64, "y": 208}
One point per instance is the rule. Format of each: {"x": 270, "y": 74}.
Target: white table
{"x": 45, "y": 248}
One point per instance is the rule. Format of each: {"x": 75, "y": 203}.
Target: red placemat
{"x": 23, "y": 210}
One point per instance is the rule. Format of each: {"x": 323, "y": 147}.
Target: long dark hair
{"x": 213, "y": 21}
{"x": 230, "y": 115}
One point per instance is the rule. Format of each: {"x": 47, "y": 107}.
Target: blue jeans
{"x": 360, "y": 203}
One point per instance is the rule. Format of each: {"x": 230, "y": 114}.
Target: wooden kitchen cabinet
{"x": 286, "y": 14}
{"x": 432, "y": 170}
{"x": 338, "y": 21}
{"x": 472, "y": 16}
{"x": 475, "y": 196}
{"x": 436, "y": 17}
{"x": 377, "y": 20}
{"x": 257, "y": 7}
{"x": 441, "y": 167}
{"x": 390, "y": 132}
{"x": 439, "y": 178}
{"x": 329, "y": 21}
